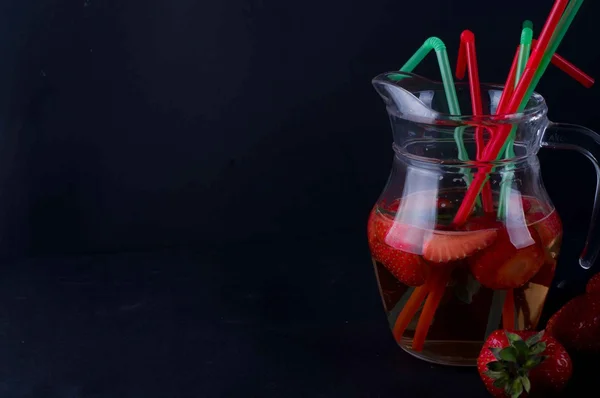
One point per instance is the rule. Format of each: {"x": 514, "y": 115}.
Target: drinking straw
{"x": 580, "y": 76}
{"x": 524, "y": 50}
{"x": 467, "y": 57}
{"x": 508, "y": 308}
{"x": 561, "y": 30}
{"x": 536, "y": 66}
{"x": 437, "y": 45}
{"x": 409, "y": 310}
{"x": 510, "y": 82}
{"x": 541, "y": 57}
{"x": 437, "y": 280}
{"x": 557, "y": 60}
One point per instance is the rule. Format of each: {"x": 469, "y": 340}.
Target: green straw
{"x": 561, "y": 29}
{"x": 524, "y": 52}
{"x": 437, "y": 45}
{"x": 434, "y": 43}
{"x": 559, "y": 33}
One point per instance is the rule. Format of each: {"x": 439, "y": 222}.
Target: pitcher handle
{"x": 586, "y": 142}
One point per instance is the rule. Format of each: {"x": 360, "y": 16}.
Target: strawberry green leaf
{"x": 521, "y": 347}
{"x": 501, "y": 382}
{"x": 532, "y": 362}
{"x": 509, "y": 354}
{"x": 526, "y": 383}
{"x": 495, "y": 366}
{"x": 512, "y": 338}
{"x": 500, "y": 375}
{"x": 496, "y": 352}
{"x": 535, "y": 338}
{"x": 537, "y": 348}
{"x": 516, "y": 389}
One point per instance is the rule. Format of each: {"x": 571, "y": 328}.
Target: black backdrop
{"x": 240, "y": 127}
{"x": 129, "y": 125}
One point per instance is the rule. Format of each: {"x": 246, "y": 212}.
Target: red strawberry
{"x": 503, "y": 266}
{"x": 523, "y": 362}
{"x": 486, "y": 221}
{"x": 577, "y": 324}
{"x": 399, "y": 236}
{"x": 545, "y": 275}
{"x": 593, "y": 286}
{"x": 526, "y": 204}
{"x": 549, "y": 227}
{"x": 409, "y": 268}
{"x": 392, "y": 207}
{"x": 443, "y": 247}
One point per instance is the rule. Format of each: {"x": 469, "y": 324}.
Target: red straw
{"x": 571, "y": 70}
{"x": 509, "y": 86}
{"x": 467, "y": 56}
{"x": 497, "y": 141}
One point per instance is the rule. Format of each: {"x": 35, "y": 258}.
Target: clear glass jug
{"x": 446, "y": 285}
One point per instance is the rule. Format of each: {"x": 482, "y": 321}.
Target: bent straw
{"x": 467, "y": 57}
{"x": 510, "y": 82}
{"x": 557, "y": 60}
{"x": 524, "y": 49}
{"x": 437, "y": 45}
{"x": 536, "y": 66}
{"x": 580, "y": 76}
{"x": 437, "y": 281}
{"x": 519, "y": 99}
{"x": 508, "y": 308}
{"x": 563, "y": 25}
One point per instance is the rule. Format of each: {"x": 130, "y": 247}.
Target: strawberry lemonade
{"x": 444, "y": 287}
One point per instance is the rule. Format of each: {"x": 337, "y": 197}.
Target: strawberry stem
{"x": 508, "y": 311}
{"x": 410, "y": 309}
{"x": 438, "y": 288}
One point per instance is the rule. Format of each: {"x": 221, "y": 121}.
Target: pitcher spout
{"x": 404, "y": 96}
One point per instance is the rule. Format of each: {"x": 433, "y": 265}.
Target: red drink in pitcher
{"x": 447, "y": 281}
{"x": 466, "y": 273}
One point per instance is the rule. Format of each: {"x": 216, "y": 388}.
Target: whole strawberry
{"x": 523, "y": 363}
{"x": 407, "y": 267}
{"x": 593, "y": 285}
{"x": 577, "y": 324}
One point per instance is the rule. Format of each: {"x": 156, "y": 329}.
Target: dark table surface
{"x": 255, "y": 320}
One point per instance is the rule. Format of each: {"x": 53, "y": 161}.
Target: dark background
{"x": 185, "y": 186}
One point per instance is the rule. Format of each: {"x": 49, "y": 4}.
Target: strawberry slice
{"x": 444, "y": 247}
{"x": 503, "y": 266}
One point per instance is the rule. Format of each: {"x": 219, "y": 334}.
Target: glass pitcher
{"x": 446, "y": 285}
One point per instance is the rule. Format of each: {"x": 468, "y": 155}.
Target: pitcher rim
{"x": 539, "y": 106}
